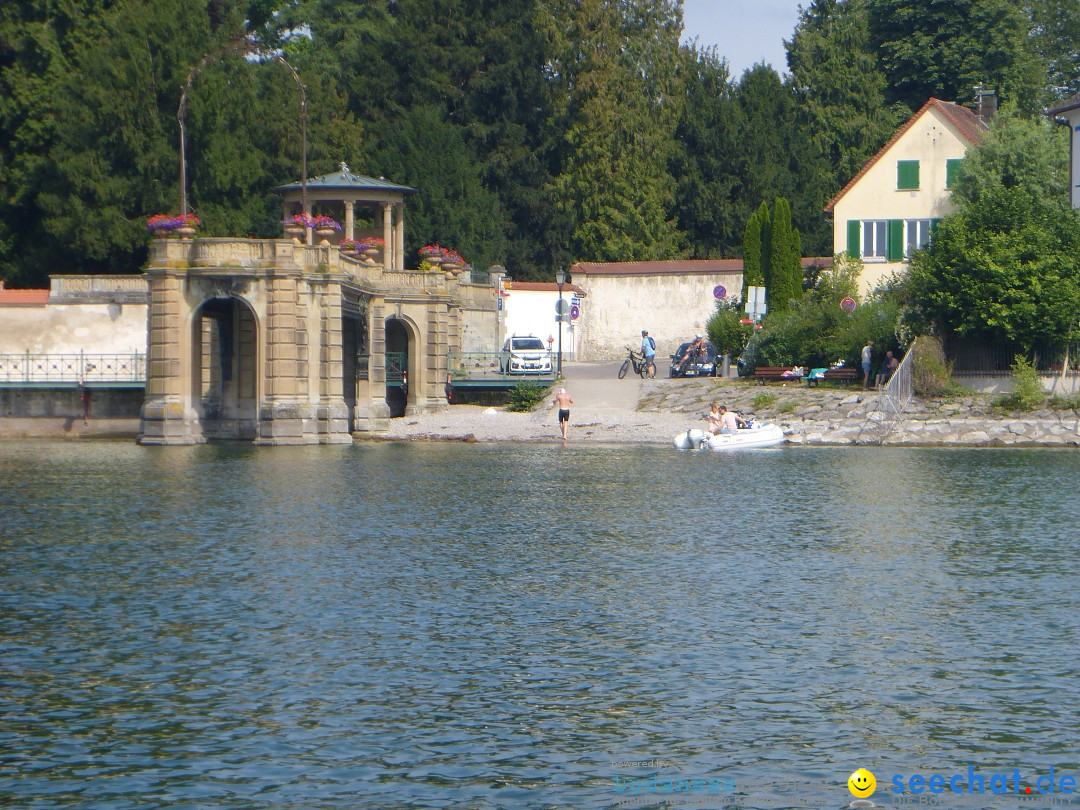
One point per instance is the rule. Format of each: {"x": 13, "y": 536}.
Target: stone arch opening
{"x": 398, "y": 366}
{"x": 224, "y": 367}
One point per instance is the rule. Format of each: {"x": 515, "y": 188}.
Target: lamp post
{"x": 560, "y": 279}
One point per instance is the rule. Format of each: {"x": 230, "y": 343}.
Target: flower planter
{"x": 162, "y": 233}
{"x": 325, "y": 234}
{"x": 295, "y": 231}
{"x": 185, "y": 232}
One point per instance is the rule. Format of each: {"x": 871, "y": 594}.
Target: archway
{"x": 397, "y": 366}
{"x": 224, "y": 369}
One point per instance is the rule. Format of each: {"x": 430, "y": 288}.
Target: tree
{"x": 708, "y": 209}
{"x": 616, "y": 63}
{"x": 946, "y": 49}
{"x": 786, "y": 265}
{"x": 1004, "y": 267}
{"x": 753, "y": 275}
{"x": 842, "y": 118}
{"x": 1055, "y": 35}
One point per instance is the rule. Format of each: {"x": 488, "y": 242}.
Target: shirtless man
{"x": 563, "y": 400}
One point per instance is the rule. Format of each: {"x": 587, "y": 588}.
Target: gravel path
{"x": 604, "y": 411}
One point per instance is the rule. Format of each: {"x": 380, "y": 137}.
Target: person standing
{"x": 648, "y": 348}
{"x": 563, "y": 400}
{"x": 84, "y": 397}
{"x": 867, "y": 358}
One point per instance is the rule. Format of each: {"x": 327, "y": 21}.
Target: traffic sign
{"x": 562, "y": 306}
{"x": 848, "y": 304}
{"x": 719, "y": 292}
{"x": 575, "y": 312}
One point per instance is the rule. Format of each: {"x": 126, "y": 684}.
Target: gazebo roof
{"x": 346, "y": 180}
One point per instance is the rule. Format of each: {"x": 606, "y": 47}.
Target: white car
{"x": 525, "y": 355}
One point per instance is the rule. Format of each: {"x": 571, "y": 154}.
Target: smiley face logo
{"x": 862, "y": 783}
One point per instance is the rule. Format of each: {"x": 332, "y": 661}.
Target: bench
{"x": 763, "y": 373}
{"x": 838, "y": 375}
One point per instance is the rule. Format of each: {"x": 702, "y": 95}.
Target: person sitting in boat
{"x": 715, "y": 419}
{"x": 730, "y": 421}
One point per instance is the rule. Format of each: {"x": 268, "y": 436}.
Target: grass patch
{"x": 786, "y": 407}
{"x": 763, "y": 401}
{"x": 1028, "y": 392}
{"x": 1066, "y": 403}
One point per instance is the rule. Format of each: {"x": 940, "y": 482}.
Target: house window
{"x": 907, "y": 175}
{"x": 952, "y": 171}
{"x": 874, "y": 239}
{"x": 916, "y": 234}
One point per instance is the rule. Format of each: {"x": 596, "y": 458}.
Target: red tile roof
{"x": 677, "y": 267}
{"x": 971, "y": 128}
{"x": 541, "y": 286}
{"x": 23, "y": 298}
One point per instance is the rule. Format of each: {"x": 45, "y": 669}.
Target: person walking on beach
{"x": 867, "y": 357}
{"x": 563, "y": 400}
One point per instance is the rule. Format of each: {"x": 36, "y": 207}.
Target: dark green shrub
{"x": 1028, "y": 392}
{"x": 524, "y": 396}
{"x": 931, "y": 373}
{"x": 725, "y": 332}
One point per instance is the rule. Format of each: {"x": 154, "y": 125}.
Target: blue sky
{"x": 743, "y": 31}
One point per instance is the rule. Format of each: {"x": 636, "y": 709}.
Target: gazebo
{"x": 381, "y": 204}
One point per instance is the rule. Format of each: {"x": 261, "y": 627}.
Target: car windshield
{"x": 527, "y": 344}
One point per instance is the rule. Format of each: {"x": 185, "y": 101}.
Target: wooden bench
{"x": 763, "y": 373}
{"x": 838, "y": 375}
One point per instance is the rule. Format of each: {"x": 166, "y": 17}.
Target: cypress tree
{"x": 765, "y": 218}
{"x": 779, "y": 291}
{"x": 752, "y": 275}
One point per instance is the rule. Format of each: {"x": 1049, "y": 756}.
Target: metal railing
{"x": 892, "y": 400}
{"x": 93, "y": 369}
{"x": 465, "y": 366}
{"x": 397, "y": 365}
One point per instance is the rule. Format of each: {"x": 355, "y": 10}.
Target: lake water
{"x": 447, "y": 625}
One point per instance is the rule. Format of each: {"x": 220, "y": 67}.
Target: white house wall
{"x": 532, "y": 312}
{"x": 71, "y": 328}
{"x": 932, "y": 140}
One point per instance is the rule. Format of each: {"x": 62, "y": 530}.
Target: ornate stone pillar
{"x": 388, "y": 238}
{"x": 285, "y": 417}
{"x": 332, "y": 413}
{"x": 372, "y": 414}
{"x": 350, "y": 219}
{"x": 399, "y": 237}
{"x": 167, "y": 415}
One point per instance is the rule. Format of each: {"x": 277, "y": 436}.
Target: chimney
{"x": 985, "y": 104}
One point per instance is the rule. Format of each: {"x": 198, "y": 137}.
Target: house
{"x": 890, "y": 207}
{"x": 530, "y": 310}
{"x": 1069, "y": 113}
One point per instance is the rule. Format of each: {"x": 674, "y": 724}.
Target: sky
{"x": 744, "y": 31}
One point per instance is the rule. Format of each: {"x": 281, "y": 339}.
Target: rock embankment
{"x": 829, "y": 416}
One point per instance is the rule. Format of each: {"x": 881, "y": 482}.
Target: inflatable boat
{"x": 763, "y": 435}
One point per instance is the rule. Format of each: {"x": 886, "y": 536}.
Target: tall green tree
{"x": 1004, "y": 267}
{"x": 1055, "y": 36}
{"x": 842, "y": 118}
{"x": 615, "y": 62}
{"x": 786, "y": 265}
{"x": 753, "y": 274}
{"x": 946, "y": 49}
{"x": 765, "y": 220}
{"x": 706, "y": 203}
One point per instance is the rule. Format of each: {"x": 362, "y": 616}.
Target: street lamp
{"x": 560, "y": 279}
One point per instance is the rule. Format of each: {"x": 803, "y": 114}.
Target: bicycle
{"x": 639, "y": 362}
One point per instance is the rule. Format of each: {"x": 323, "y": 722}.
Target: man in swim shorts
{"x": 563, "y": 400}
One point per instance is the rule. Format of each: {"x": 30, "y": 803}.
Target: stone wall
{"x": 673, "y": 307}
{"x": 95, "y": 328}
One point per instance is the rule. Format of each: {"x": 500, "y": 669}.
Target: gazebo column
{"x": 388, "y": 237}
{"x": 350, "y": 219}
{"x": 399, "y": 237}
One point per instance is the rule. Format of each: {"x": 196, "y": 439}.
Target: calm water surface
{"x": 477, "y": 626}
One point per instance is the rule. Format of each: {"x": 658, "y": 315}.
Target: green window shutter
{"x": 907, "y": 174}
{"x": 894, "y": 242}
{"x": 854, "y": 238}
{"x": 952, "y": 171}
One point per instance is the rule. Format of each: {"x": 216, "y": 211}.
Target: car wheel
{"x": 624, "y": 368}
